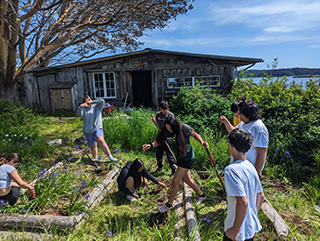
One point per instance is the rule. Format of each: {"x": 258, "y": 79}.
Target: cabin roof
{"x": 229, "y": 60}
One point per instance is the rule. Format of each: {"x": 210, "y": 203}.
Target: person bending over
{"x": 91, "y": 111}
{"x": 9, "y": 190}
{"x": 177, "y": 136}
{"x": 244, "y": 191}
{"x": 134, "y": 175}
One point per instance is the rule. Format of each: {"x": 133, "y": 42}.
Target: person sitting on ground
{"x": 177, "y": 136}
{"x": 9, "y": 190}
{"x": 251, "y": 122}
{"x": 91, "y": 111}
{"x": 235, "y": 110}
{"x": 244, "y": 191}
{"x": 159, "y": 122}
{"x": 134, "y": 175}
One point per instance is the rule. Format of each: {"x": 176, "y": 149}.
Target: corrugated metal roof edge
{"x": 251, "y": 60}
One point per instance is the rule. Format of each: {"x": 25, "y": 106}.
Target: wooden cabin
{"x": 141, "y": 78}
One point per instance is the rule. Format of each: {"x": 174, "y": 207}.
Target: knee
{"x": 144, "y": 182}
{"x": 129, "y": 183}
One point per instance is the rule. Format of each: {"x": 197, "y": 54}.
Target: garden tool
{"x": 215, "y": 168}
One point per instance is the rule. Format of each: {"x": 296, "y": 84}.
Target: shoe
{"x": 131, "y": 198}
{"x": 201, "y": 199}
{"x": 113, "y": 159}
{"x": 163, "y": 208}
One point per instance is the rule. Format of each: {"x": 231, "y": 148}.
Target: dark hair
{"x": 235, "y": 107}
{"x": 249, "y": 109}
{"x": 240, "y": 139}
{"x": 164, "y": 105}
{"x": 86, "y": 97}
{"x": 134, "y": 169}
{"x": 180, "y": 132}
{"x": 13, "y": 156}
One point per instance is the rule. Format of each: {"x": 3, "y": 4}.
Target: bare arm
{"x": 226, "y": 123}
{"x": 15, "y": 176}
{"x": 261, "y": 158}
{"x": 260, "y": 197}
{"x": 241, "y": 211}
{"x": 148, "y": 146}
{"x": 196, "y": 136}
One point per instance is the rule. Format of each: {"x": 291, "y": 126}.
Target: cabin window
{"x": 207, "y": 81}
{"x": 104, "y": 85}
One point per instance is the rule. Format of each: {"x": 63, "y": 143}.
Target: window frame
{"x": 169, "y": 80}
{"x": 104, "y": 79}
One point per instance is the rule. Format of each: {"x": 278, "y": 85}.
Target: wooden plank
{"x": 6, "y": 235}
{"x": 180, "y": 215}
{"x": 191, "y": 214}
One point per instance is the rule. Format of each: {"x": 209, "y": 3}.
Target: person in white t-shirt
{"x": 244, "y": 191}
{"x": 251, "y": 122}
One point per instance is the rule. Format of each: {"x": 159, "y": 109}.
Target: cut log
{"x": 5, "y": 235}
{"x": 180, "y": 216}
{"x": 191, "y": 214}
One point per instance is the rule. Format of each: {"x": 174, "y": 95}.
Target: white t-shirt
{"x": 241, "y": 180}
{"x": 260, "y": 138}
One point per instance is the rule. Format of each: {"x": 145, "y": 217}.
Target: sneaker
{"x": 163, "y": 208}
{"x": 113, "y": 159}
{"x": 201, "y": 199}
{"x": 131, "y": 198}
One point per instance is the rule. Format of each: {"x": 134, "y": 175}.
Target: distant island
{"x": 295, "y": 72}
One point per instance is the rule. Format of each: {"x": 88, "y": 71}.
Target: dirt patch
{"x": 276, "y": 185}
{"x": 301, "y": 225}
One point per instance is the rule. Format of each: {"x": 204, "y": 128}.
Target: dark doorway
{"x": 141, "y": 85}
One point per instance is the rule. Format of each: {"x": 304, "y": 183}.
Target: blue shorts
{"x": 91, "y": 138}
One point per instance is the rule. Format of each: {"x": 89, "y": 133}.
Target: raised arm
{"x": 226, "y": 123}
{"x": 196, "y": 136}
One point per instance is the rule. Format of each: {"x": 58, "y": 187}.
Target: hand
{"x": 162, "y": 184}
{"x": 154, "y": 119}
{"x": 223, "y": 119}
{"x": 260, "y": 175}
{"x": 31, "y": 190}
{"x": 232, "y": 234}
{"x": 146, "y": 147}
{"x": 205, "y": 144}
{"x": 135, "y": 195}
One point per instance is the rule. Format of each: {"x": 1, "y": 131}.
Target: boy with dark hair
{"x": 244, "y": 191}
{"x": 159, "y": 122}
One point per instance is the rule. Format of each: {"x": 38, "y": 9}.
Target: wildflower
{"x": 87, "y": 197}
{"x": 80, "y": 165}
{"x": 206, "y": 219}
{"x": 69, "y": 158}
{"x": 83, "y": 183}
{"x": 44, "y": 170}
{"x": 115, "y": 150}
{"x": 75, "y": 187}
{"x": 217, "y": 150}
{"x": 55, "y": 174}
{"x": 94, "y": 163}
{"x": 40, "y": 175}
{"x": 277, "y": 149}
{"x": 2, "y": 203}
{"x": 288, "y": 154}
{"x": 4, "y": 140}
{"x": 81, "y": 189}
{"x": 65, "y": 170}
{"x": 86, "y": 148}
{"x": 281, "y": 166}
{"x": 77, "y": 147}
{"x": 7, "y": 135}
{"x": 54, "y": 164}
{"x": 26, "y": 138}
{"x": 24, "y": 211}
{"x": 9, "y": 139}
{"x": 20, "y": 135}
{"x": 99, "y": 158}
{"x": 15, "y": 134}
{"x": 109, "y": 234}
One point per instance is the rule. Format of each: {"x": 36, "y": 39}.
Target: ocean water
{"x": 290, "y": 79}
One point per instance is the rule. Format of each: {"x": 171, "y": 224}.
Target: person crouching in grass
{"x": 244, "y": 191}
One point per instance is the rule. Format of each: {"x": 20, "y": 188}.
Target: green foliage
{"x": 292, "y": 117}
{"x": 200, "y": 108}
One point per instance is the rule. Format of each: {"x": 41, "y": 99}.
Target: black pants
{"x": 225, "y": 238}
{"x": 13, "y": 196}
{"x": 159, "y": 155}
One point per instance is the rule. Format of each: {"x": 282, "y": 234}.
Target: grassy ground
{"x": 118, "y": 219}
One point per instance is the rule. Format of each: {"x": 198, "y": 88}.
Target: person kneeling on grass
{"x": 244, "y": 191}
{"x": 10, "y": 191}
{"x": 134, "y": 175}
{"x": 91, "y": 111}
{"x": 177, "y": 136}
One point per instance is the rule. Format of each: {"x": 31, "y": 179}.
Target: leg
{"x": 187, "y": 179}
{"x": 159, "y": 156}
{"x": 180, "y": 173}
{"x": 170, "y": 157}
{"x": 144, "y": 182}
{"x": 104, "y": 146}
{"x": 129, "y": 183}
{"x": 94, "y": 151}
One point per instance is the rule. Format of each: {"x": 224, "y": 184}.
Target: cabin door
{"x": 141, "y": 88}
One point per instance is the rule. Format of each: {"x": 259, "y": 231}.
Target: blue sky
{"x": 288, "y": 29}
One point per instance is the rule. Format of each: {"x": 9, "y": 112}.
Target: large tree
{"x": 35, "y": 33}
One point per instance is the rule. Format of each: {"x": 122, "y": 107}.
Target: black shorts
{"x": 13, "y": 196}
{"x": 185, "y": 164}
